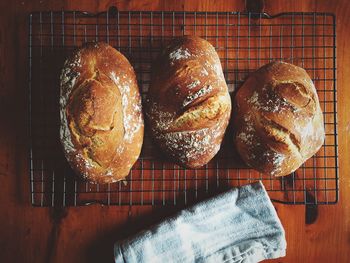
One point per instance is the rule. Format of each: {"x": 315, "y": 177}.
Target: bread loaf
{"x": 277, "y": 119}
{"x": 101, "y": 118}
{"x": 188, "y": 104}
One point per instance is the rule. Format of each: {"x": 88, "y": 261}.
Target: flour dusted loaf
{"x": 277, "y": 118}
{"x": 188, "y": 104}
{"x": 101, "y": 118}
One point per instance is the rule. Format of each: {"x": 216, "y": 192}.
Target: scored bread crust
{"x": 102, "y": 125}
{"x": 188, "y": 106}
{"x": 278, "y": 120}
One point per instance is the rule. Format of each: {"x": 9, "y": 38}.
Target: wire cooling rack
{"x": 244, "y": 42}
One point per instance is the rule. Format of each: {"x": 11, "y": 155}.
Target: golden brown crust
{"x": 277, "y": 118}
{"x": 188, "y": 104}
{"x": 101, "y": 118}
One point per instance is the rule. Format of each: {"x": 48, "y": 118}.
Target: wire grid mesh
{"x": 244, "y": 42}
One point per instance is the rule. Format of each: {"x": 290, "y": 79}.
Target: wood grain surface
{"x": 86, "y": 234}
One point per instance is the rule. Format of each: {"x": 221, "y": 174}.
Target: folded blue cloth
{"x": 240, "y": 225}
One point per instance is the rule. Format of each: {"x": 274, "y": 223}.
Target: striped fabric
{"x": 240, "y": 225}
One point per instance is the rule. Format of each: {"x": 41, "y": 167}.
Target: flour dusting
{"x": 190, "y": 98}
{"x": 68, "y": 79}
{"x": 188, "y": 145}
{"x": 179, "y": 54}
{"x": 194, "y": 84}
{"x": 204, "y": 72}
{"x": 109, "y": 172}
{"x": 268, "y": 104}
{"x": 276, "y": 159}
{"x": 132, "y": 121}
{"x": 217, "y": 69}
{"x": 84, "y": 165}
{"x": 246, "y": 138}
{"x": 162, "y": 118}
{"x": 247, "y": 135}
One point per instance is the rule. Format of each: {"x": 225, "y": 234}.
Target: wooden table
{"x": 86, "y": 234}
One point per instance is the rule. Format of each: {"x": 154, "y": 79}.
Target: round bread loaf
{"x": 101, "y": 117}
{"x": 277, "y": 119}
{"x": 188, "y": 104}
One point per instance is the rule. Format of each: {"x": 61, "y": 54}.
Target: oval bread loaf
{"x": 188, "y": 103}
{"x": 101, "y": 117}
{"x": 277, "y": 119}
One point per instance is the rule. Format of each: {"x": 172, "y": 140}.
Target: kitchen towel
{"x": 240, "y": 225}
